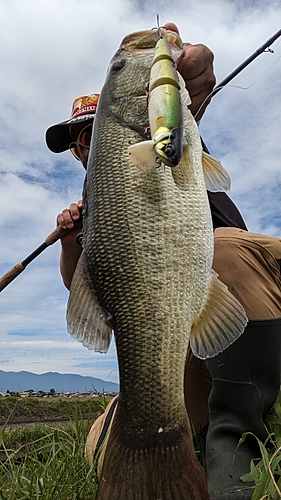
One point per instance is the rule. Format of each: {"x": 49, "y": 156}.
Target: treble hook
{"x": 159, "y": 28}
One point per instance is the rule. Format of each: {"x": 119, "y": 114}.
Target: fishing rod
{"x": 54, "y": 236}
{"x": 251, "y": 58}
{"x": 59, "y": 232}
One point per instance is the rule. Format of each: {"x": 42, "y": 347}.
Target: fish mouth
{"x": 147, "y": 39}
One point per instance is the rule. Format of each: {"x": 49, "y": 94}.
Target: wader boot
{"x": 246, "y": 383}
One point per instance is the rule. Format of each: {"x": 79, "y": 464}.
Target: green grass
{"x": 50, "y": 466}
{"x": 47, "y": 463}
{"x": 19, "y": 409}
{"x": 266, "y": 473}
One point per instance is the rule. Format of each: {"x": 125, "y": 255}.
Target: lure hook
{"x": 159, "y": 28}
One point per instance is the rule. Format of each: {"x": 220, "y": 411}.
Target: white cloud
{"x": 52, "y": 52}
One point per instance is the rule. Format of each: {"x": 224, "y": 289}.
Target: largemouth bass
{"x": 146, "y": 271}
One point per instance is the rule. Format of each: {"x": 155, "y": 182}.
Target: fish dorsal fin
{"x": 221, "y": 322}
{"x": 142, "y": 154}
{"x": 215, "y": 176}
{"x": 86, "y": 320}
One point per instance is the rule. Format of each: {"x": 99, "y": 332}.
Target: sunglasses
{"x": 84, "y": 140}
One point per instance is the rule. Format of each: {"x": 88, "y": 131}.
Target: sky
{"x": 52, "y": 51}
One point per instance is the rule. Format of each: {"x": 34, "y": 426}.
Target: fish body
{"x": 147, "y": 262}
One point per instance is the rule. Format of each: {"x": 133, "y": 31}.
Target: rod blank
{"x": 242, "y": 66}
{"x": 54, "y": 236}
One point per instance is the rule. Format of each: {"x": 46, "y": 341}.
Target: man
{"x": 60, "y": 137}
{"x": 246, "y": 377}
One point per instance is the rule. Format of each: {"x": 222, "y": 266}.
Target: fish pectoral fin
{"x": 215, "y": 176}
{"x": 87, "y": 322}
{"x": 221, "y": 322}
{"x": 143, "y": 155}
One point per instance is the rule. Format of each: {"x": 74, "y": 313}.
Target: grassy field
{"x": 19, "y": 410}
{"x": 48, "y": 465}
{"x": 47, "y": 462}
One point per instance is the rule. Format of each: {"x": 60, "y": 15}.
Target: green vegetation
{"x": 17, "y": 409}
{"x": 48, "y": 467}
{"x": 47, "y": 462}
{"x": 266, "y": 473}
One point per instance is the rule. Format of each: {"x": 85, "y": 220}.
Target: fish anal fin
{"x": 87, "y": 322}
{"x": 221, "y": 322}
{"x": 215, "y": 176}
{"x": 143, "y": 155}
{"x": 163, "y": 467}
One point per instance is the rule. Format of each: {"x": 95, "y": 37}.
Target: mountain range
{"x": 24, "y": 381}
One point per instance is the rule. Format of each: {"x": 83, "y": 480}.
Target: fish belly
{"x": 148, "y": 253}
{"x": 149, "y": 256}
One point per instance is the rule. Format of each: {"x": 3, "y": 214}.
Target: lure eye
{"x": 169, "y": 150}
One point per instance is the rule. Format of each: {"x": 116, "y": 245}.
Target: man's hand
{"x": 68, "y": 219}
{"x": 196, "y": 67}
{"x": 70, "y": 250}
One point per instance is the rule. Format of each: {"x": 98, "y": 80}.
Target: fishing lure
{"x": 164, "y": 106}
{"x": 164, "y": 113}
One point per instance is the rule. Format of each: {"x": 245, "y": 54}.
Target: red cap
{"x": 58, "y": 136}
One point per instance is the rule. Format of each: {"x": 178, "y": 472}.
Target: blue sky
{"x": 52, "y": 52}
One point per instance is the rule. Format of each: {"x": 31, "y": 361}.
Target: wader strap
{"x": 104, "y": 430}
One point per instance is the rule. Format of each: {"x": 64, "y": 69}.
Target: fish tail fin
{"x": 87, "y": 321}
{"x": 136, "y": 468}
{"x": 222, "y": 321}
{"x": 215, "y": 176}
{"x": 143, "y": 155}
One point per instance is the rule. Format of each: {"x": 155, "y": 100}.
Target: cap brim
{"x": 58, "y": 137}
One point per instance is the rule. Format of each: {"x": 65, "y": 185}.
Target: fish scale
{"x": 134, "y": 239}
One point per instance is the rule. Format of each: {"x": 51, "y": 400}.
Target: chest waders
{"x": 246, "y": 383}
